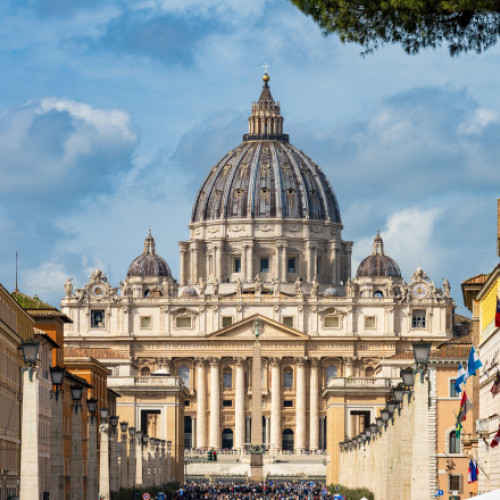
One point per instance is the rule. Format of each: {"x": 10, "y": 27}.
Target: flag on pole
{"x": 495, "y": 388}
{"x": 497, "y": 314}
{"x": 473, "y": 471}
{"x": 474, "y": 363}
{"x": 458, "y": 429}
{"x": 465, "y": 406}
{"x": 496, "y": 438}
{"x": 461, "y": 378}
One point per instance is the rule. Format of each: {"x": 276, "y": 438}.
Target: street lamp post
{"x": 124, "y": 456}
{"x": 169, "y": 461}
{"x": 29, "y": 486}
{"x": 56, "y": 435}
{"x": 163, "y": 463}
{"x": 92, "y": 476}
{"x": 76, "y": 467}
{"x": 113, "y": 460}
{"x": 145, "y": 460}
{"x": 104, "y": 455}
{"x": 138, "y": 458}
{"x": 421, "y": 352}
{"x": 132, "y": 459}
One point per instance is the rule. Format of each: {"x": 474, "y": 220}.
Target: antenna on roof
{"x": 16, "y": 271}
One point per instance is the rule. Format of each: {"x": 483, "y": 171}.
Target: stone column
{"x": 183, "y": 278}
{"x": 124, "y": 461}
{"x": 104, "y": 463}
{"x": 29, "y": 487}
{"x": 92, "y": 478}
{"x": 249, "y": 270}
{"x": 284, "y": 263}
{"x": 218, "y": 261}
{"x": 239, "y": 404}
{"x": 256, "y": 434}
{"x": 300, "y": 406}
{"x": 76, "y": 463}
{"x": 244, "y": 262}
{"x": 112, "y": 459}
{"x": 201, "y": 404}
{"x": 138, "y": 459}
{"x": 313, "y": 405}
{"x": 214, "y": 437}
{"x": 268, "y": 432}
{"x": 56, "y": 448}
{"x": 275, "y": 404}
{"x": 131, "y": 464}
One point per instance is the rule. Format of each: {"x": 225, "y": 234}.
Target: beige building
{"x": 265, "y": 255}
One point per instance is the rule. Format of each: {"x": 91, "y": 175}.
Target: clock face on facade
{"x": 419, "y": 290}
{"x": 97, "y": 291}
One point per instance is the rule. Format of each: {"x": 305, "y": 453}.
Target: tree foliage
{"x": 463, "y": 25}
{"x": 351, "y": 494}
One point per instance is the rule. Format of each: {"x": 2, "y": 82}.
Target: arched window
{"x": 287, "y": 378}
{"x": 331, "y": 371}
{"x": 454, "y": 442}
{"x": 378, "y": 294}
{"x": 227, "y": 439}
{"x": 370, "y": 372}
{"x": 185, "y": 374}
{"x": 145, "y": 372}
{"x": 227, "y": 378}
{"x": 287, "y": 440}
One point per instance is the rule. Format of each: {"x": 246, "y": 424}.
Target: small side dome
{"x": 149, "y": 263}
{"x": 188, "y": 292}
{"x": 378, "y": 264}
{"x": 334, "y": 291}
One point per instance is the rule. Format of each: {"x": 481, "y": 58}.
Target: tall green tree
{"x": 461, "y": 25}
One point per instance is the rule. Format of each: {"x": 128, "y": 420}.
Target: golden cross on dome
{"x": 266, "y": 67}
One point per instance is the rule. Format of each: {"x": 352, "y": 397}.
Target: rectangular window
{"x": 97, "y": 318}
{"x": 332, "y": 322}
{"x": 287, "y": 403}
{"x": 183, "y": 322}
{"x": 237, "y": 265}
{"x": 291, "y": 266}
{"x": 264, "y": 265}
{"x": 227, "y": 379}
{"x": 187, "y": 402}
{"x": 418, "y": 318}
{"x": 318, "y": 264}
{"x": 288, "y": 321}
{"x": 453, "y": 392}
{"x": 227, "y": 403}
{"x": 455, "y": 482}
{"x": 370, "y": 322}
{"x": 227, "y": 321}
{"x": 145, "y": 321}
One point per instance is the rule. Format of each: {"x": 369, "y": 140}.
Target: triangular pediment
{"x": 244, "y": 330}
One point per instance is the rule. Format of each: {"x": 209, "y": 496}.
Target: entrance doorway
{"x": 287, "y": 441}
{"x": 227, "y": 439}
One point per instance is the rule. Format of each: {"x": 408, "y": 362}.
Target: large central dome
{"x": 265, "y": 176}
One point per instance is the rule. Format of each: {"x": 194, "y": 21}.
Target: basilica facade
{"x": 265, "y": 261}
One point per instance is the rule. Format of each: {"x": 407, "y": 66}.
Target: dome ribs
{"x": 278, "y": 181}
{"x": 302, "y": 207}
{"x": 252, "y": 181}
{"x": 228, "y": 185}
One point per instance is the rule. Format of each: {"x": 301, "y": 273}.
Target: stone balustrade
{"x": 395, "y": 464}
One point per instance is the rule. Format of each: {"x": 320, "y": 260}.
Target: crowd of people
{"x": 258, "y": 491}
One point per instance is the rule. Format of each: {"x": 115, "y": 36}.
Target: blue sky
{"x": 111, "y": 114}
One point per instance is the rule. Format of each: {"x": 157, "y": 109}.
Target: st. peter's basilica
{"x": 265, "y": 256}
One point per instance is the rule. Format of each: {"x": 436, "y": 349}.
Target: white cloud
{"x": 478, "y": 121}
{"x": 409, "y": 238}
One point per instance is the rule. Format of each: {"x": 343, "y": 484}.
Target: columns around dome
{"x": 278, "y": 255}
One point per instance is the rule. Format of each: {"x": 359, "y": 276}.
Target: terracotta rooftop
{"x": 456, "y": 348}
{"x": 479, "y": 279}
{"x": 73, "y": 352}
